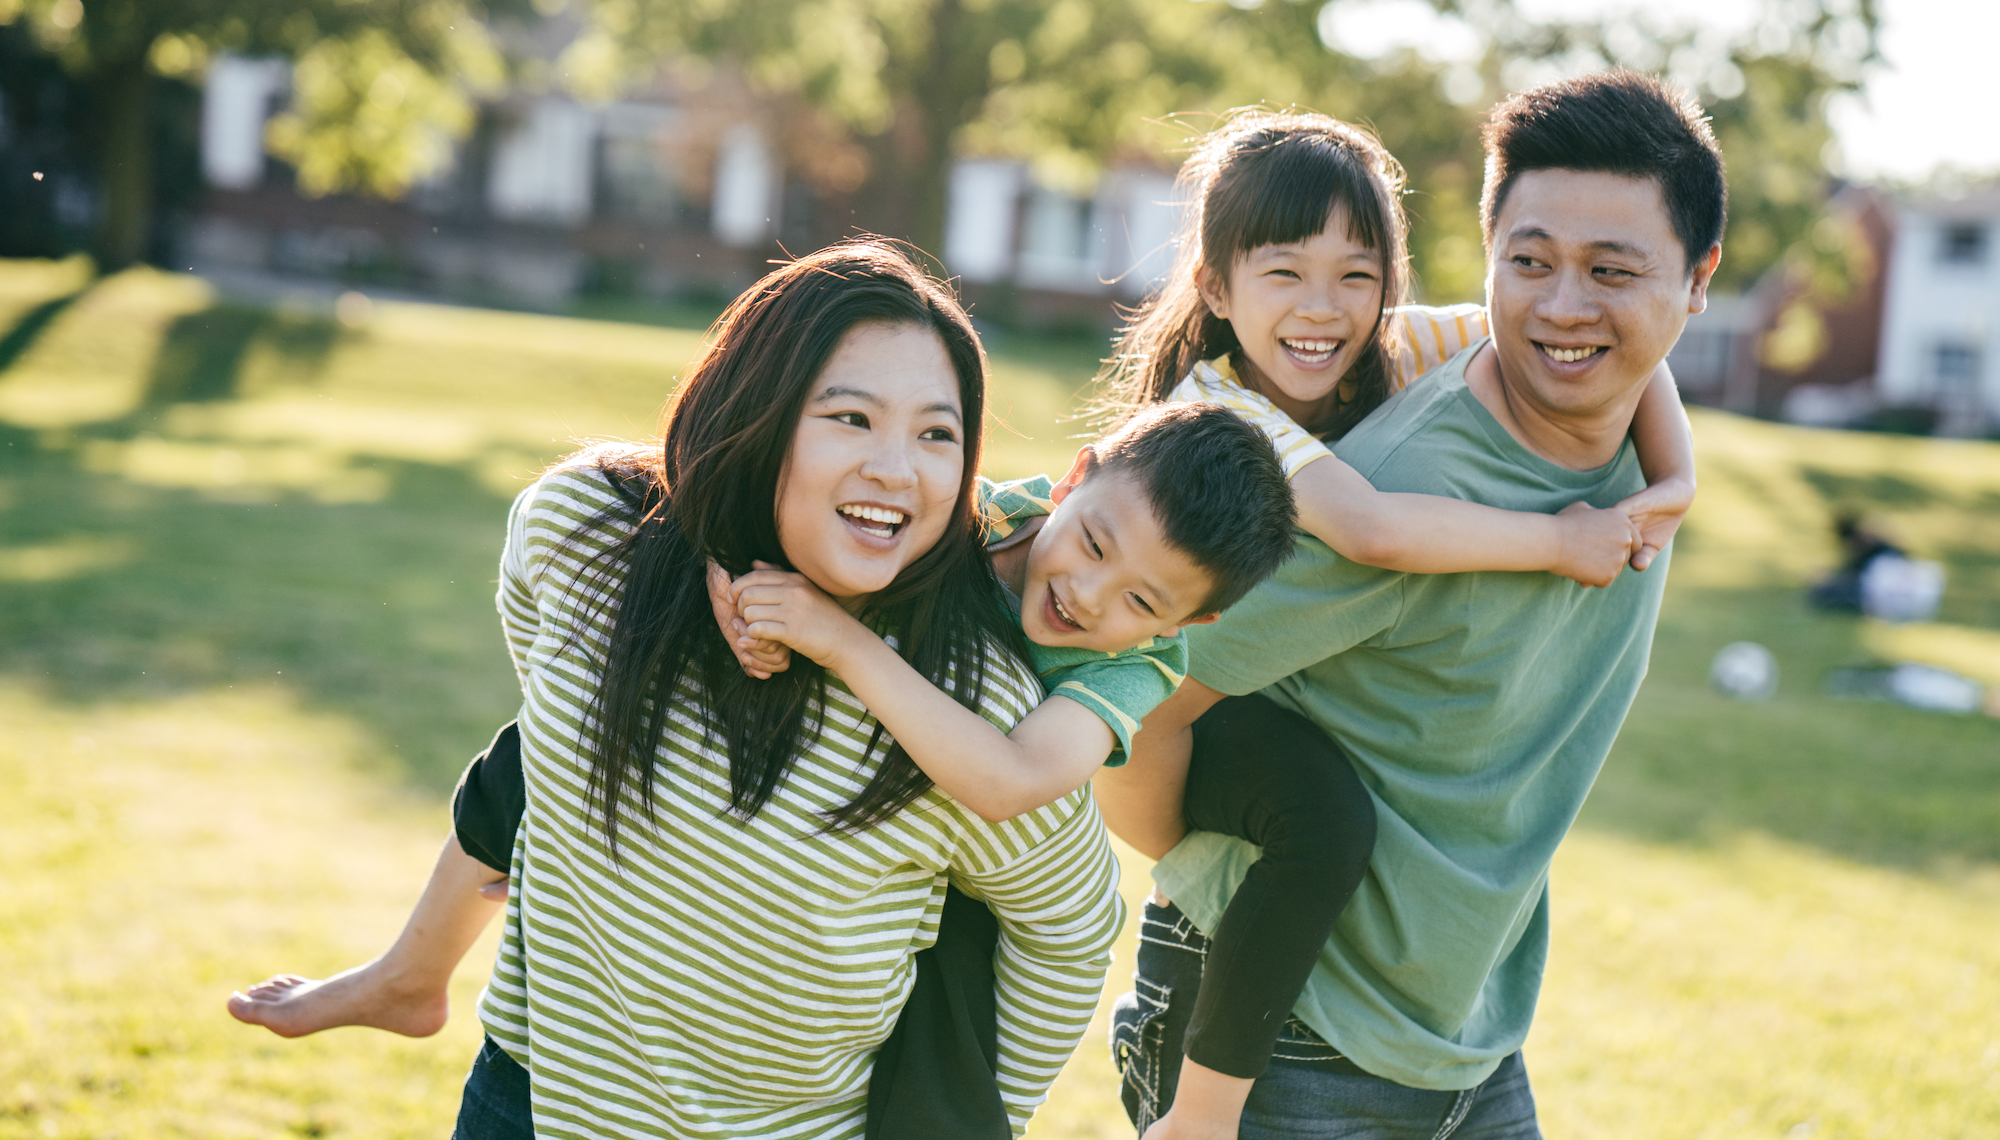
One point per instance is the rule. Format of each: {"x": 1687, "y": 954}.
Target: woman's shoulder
{"x": 605, "y": 481}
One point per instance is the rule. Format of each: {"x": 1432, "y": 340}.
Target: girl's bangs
{"x": 1289, "y": 194}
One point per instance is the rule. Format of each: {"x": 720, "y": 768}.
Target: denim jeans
{"x": 1310, "y": 1091}
{"x": 496, "y": 1104}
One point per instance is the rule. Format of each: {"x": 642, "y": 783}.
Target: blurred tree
{"x": 118, "y": 48}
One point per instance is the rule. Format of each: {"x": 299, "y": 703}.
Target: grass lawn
{"x": 247, "y": 640}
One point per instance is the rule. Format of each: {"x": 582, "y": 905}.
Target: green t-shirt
{"x": 1477, "y": 709}
{"x": 1120, "y": 687}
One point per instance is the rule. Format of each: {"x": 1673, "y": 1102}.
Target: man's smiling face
{"x": 1588, "y": 286}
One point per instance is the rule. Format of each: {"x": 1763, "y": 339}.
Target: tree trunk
{"x": 125, "y": 163}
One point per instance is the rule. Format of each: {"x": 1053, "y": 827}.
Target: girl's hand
{"x": 1657, "y": 511}
{"x": 1168, "y": 1128}
{"x": 1596, "y": 544}
{"x": 778, "y": 605}
{"x": 759, "y": 659}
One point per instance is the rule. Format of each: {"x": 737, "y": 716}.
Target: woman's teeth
{"x": 875, "y": 520}
{"x": 1571, "y": 355}
{"x": 1312, "y": 351}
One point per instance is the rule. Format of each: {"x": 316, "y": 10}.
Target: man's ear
{"x": 1079, "y": 470}
{"x": 1198, "y": 619}
{"x": 1214, "y": 292}
{"x": 1704, "y": 271}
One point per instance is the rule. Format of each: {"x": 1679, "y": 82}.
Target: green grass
{"x": 247, "y": 639}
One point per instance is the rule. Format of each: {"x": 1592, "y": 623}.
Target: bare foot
{"x": 291, "y": 1006}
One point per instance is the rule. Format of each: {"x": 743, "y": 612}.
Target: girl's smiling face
{"x": 1302, "y": 312}
{"x": 874, "y": 470}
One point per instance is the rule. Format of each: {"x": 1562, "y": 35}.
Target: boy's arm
{"x": 1434, "y": 534}
{"x": 997, "y": 775}
{"x": 1666, "y": 454}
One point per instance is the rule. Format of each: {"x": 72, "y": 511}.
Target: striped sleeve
{"x": 519, "y": 621}
{"x": 1425, "y": 336}
{"x": 1059, "y": 910}
{"x": 1214, "y": 382}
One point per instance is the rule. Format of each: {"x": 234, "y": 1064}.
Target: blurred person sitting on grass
{"x": 1476, "y": 707}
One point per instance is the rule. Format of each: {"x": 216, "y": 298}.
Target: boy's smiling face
{"x": 1101, "y": 574}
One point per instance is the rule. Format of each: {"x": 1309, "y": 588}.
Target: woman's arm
{"x": 997, "y": 775}
{"x": 1666, "y": 454}
{"x": 1433, "y": 534}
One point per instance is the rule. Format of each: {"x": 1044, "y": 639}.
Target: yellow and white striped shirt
{"x": 1421, "y": 337}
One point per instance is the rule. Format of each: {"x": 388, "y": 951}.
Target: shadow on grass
{"x": 201, "y": 356}
{"x": 380, "y": 612}
{"x": 32, "y": 324}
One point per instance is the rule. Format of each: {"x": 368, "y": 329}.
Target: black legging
{"x": 1270, "y": 776}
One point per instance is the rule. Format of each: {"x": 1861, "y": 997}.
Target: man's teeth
{"x": 886, "y": 519}
{"x": 1312, "y": 351}
{"x": 1571, "y": 355}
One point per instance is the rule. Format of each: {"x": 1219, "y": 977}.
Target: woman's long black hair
{"x": 1263, "y": 178}
{"x": 710, "y": 491}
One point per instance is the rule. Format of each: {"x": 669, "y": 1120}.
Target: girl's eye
{"x": 1141, "y": 603}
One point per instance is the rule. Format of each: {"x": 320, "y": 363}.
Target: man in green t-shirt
{"x": 1477, "y": 708}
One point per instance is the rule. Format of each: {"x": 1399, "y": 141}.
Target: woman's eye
{"x": 940, "y": 435}
{"x": 851, "y": 419}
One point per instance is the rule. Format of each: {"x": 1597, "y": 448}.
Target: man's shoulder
{"x": 1431, "y": 414}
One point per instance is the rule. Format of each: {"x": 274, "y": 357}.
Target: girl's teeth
{"x": 1312, "y": 350}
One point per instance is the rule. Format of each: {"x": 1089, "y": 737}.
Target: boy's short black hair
{"x": 1217, "y": 488}
{"x": 1617, "y": 122}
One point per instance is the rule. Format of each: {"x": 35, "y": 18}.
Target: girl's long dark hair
{"x": 1263, "y": 179}
{"x": 710, "y": 491}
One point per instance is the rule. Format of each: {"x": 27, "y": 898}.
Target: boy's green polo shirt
{"x": 1122, "y": 687}
{"x": 1477, "y": 708}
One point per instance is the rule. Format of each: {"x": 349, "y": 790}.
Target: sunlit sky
{"x": 1929, "y": 103}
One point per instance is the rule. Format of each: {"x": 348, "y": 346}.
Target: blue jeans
{"x": 496, "y": 1105}
{"x": 1310, "y": 1091}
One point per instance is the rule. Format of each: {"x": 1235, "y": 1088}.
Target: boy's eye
{"x": 1141, "y": 603}
{"x": 1091, "y": 542}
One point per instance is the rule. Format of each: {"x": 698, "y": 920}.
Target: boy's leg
{"x": 934, "y": 1076}
{"x": 405, "y": 990}
{"x": 1267, "y": 775}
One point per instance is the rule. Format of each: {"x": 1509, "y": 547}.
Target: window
{"x": 636, "y": 178}
{"x": 1964, "y": 244}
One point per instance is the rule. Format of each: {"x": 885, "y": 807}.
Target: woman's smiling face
{"x": 873, "y": 475}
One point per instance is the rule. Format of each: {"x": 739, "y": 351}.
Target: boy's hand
{"x": 778, "y": 605}
{"x": 1657, "y": 511}
{"x": 759, "y": 659}
{"x": 1596, "y": 544}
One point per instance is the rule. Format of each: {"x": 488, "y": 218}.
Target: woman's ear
{"x": 1214, "y": 291}
{"x": 1079, "y": 470}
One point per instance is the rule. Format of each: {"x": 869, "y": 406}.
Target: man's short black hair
{"x": 1618, "y": 122}
{"x": 1217, "y": 488}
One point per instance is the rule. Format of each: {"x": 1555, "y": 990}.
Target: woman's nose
{"x": 892, "y": 466}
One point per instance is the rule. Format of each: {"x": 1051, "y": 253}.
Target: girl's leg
{"x": 1267, "y": 775}
{"x": 405, "y": 990}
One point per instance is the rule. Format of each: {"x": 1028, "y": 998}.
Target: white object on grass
{"x": 1745, "y": 670}
{"x": 1894, "y": 588}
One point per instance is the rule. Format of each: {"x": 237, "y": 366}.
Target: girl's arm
{"x": 997, "y": 775}
{"x": 1666, "y": 454}
{"x": 1432, "y": 534}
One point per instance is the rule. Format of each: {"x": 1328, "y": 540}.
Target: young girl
{"x": 1283, "y": 307}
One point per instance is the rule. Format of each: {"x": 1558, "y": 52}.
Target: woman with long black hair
{"x": 720, "y": 882}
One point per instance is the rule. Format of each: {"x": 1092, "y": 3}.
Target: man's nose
{"x": 1567, "y": 301}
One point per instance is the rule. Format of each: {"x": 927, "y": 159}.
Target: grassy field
{"x": 246, "y": 640}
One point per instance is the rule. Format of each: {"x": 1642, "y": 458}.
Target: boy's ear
{"x": 1079, "y": 470}
{"x": 1214, "y": 292}
{"x": 1198, "y": 619}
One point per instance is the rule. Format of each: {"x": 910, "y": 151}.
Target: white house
{"x": 1941, "y": 316}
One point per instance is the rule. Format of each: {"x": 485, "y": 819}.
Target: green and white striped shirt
{"x": 734, "y": 978}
